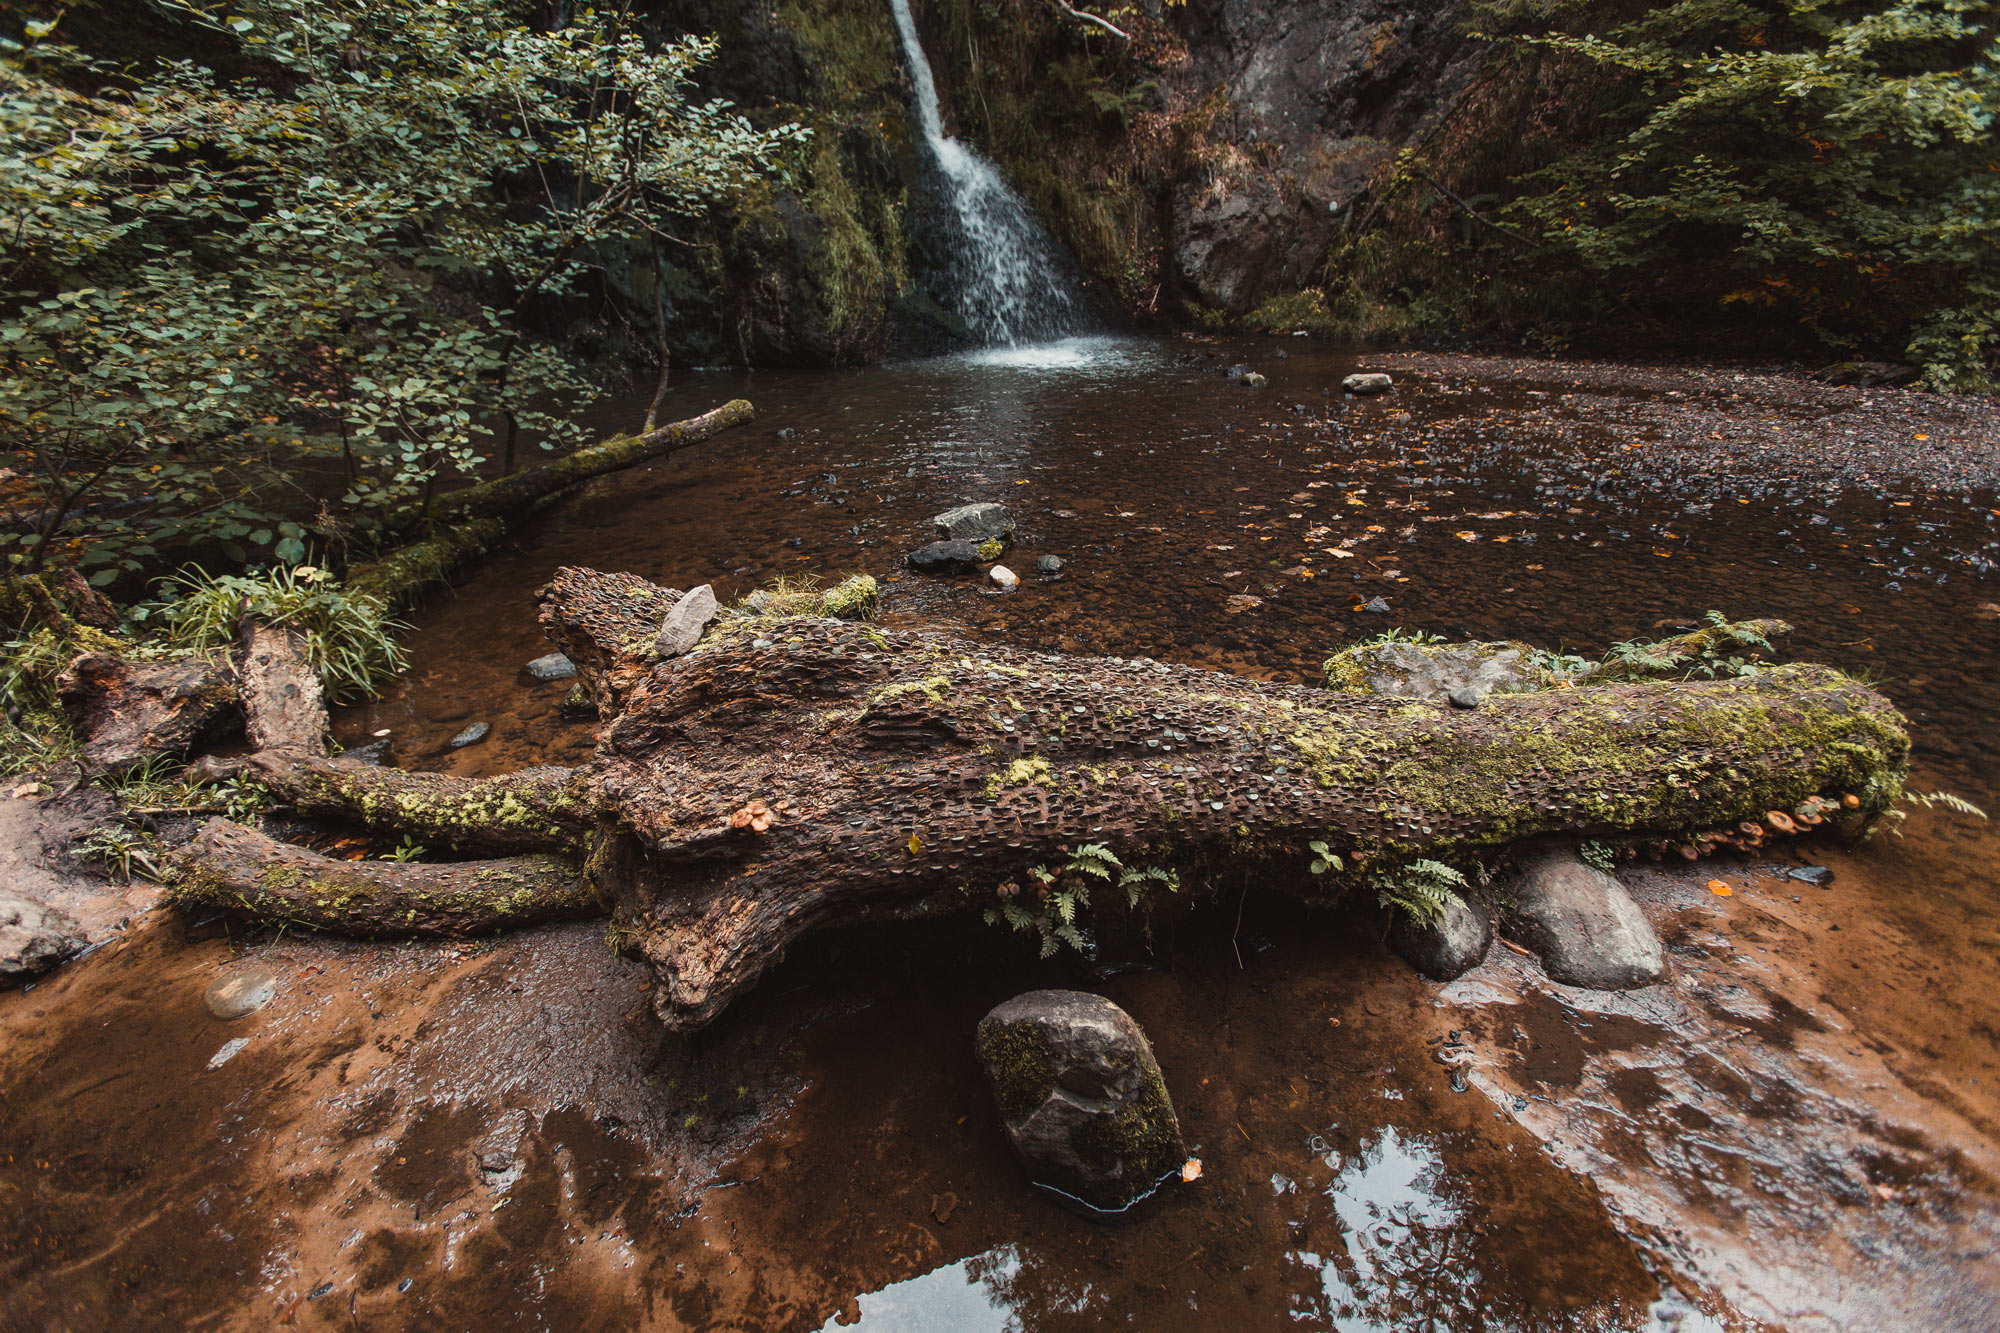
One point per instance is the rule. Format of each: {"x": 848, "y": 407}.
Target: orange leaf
{"x": 1719, "y": 889}
{"x": 1191, "y": 1170}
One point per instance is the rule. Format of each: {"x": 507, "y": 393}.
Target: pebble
{"x": 228, "y": 1052}
{"x": 1463, "y": 697}
{"x": 1004, "y": 576}
{"x": 472, "y": 735}
{"x": 1049, "y": 566}
{"x": 1818, "y": 876}
{"x": 1368, "y": 382}
{"x": 1255, "y": 380}
{"x": 553, "y": 666}
{"x": 242, "y": 992}
{"x": 1376, "y": 606}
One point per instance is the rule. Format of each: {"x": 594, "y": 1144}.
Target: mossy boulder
{"x": 1081, "y": 1097}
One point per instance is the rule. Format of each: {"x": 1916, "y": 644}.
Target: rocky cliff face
{"x": 1197, "y": 171}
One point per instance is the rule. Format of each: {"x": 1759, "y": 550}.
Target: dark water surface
{"x": 1797, "y": 1131}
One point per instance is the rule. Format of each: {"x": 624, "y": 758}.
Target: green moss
{"x": 852, "y": 599}
{"x": 1141, "y": 1142}
{"x": 990, "y": 549}
{"x": 1020, "y": 1066}
{"x": 1020, "y": 773}
{"x": 933, "y": 688}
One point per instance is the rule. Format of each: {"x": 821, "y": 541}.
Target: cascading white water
{"x": 1009, "y": 286}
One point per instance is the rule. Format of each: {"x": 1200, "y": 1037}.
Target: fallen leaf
{"x": 916, "y": 844}
{"x": 1191, "y": 1170}
{"x": 1466, "y": 536}
{"x": 1719, "y": 889}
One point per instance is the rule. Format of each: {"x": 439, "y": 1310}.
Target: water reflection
{"x": 969, "y": 1296}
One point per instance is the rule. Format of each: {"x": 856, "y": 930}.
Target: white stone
{"x": 1004, "y": 576}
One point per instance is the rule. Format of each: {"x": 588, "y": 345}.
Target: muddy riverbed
{"x": 1799, "y": 1131}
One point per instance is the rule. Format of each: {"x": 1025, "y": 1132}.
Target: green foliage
{"x": 1597, "y": 854}
{"x": 1055, "y": 898}
{"x": 1421, "y": 890}
{"x": 1930, "y": 800}
{"x": 1825, "y": 164}
{"x": 123, "y": 850}
{"x": 350, "y": 639}
{"x": 1324, "y": 859}
{"x": 213, "y": 282}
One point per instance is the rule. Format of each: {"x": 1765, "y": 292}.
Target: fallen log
{"x": 228, "y": 865}
{"x": 895, "y": 765}
{"x": 468, "y": 522}
{"x": 788, "y": 775}
{"x": 536, "y": 809}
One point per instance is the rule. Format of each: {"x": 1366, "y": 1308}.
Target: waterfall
{"x": 1009, "y": 282}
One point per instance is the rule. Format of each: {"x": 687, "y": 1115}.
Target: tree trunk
{"x": 284, "y": 707}
{"x": 468, "y": 522}
{"x": 228, "y": 865}
{"x": 129, "y": 712}
{"x": 896, "y": 765}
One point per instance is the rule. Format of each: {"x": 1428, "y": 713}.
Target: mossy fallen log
{"x": 788, "y": 775}
{"x": 898, "y": 765}
{"x": 467, "y": 523}
{"x": 231, "y": 866}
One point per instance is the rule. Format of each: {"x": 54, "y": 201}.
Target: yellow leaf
{"x": 916, "y": 844}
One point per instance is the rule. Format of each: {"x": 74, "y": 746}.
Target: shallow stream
{"x": 1799, "y": 1131}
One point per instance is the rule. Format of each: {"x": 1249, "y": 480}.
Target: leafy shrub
{"x": 350, "y": 639}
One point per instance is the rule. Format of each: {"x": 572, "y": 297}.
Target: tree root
{"x": 228, "y": 865}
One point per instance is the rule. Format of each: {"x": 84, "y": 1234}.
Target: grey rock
{"x": 1049, "y": 566}
{"x": 375, "y": 754}
{"x": 1818, "y": 876}
{"x": 1583, "y": 925}
{"x": 1081, "y": 1097}
{"x": 1369, "y": 382}
{"x": 34, "y": 937}
{"x": 472, "y": 735}
{"x": 975, "y": 523}
{"x": 554, "y": 666}
{"x": 242, "y": 992}
{"x": 1463, "y": 673}
{"x": 1237, "y": 372}
{"x": 682, "y": 628}
{"x": 1378, "y": 606}
{"x": 952, "y": 557}
{"x": 577, "y": 705}
{"x": 1448, "y": 949}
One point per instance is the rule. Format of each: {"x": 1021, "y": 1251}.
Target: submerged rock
{"x": 1368, "y": 382}
{"x": 975, "y": 523}
{"x": 949, "y": 557}
{"x": 1081, "y": 1097}
{"x": 472, "y": 735}
{"x": 376, "y": 754}
{"x": 1049, "y": 566}
{"x": 1583, "y": 925}
{"x": 554, "y": 666}
{"x": 682, "y": 628}
{"x": 242, "y": 992}
{"x": 34, "y": 937}
{"x": 577, "y": 705}
{"x": 1449, "y": 948}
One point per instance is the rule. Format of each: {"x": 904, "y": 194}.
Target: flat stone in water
{"x": 242, "y": 992}
{"x": 947, "y": 557}
{"x": 974, "y": 523}
{"x": 1368, "y": 382}
{"x": 472, "y": 735}
{"x": 228, "y": 1052}
{"x": 1818, "y": 876}
{"x": 553, "y": 666}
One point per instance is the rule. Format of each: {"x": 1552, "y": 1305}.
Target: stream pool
{"x": 1798, "y": 1132}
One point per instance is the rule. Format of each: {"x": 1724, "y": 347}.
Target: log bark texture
{"x": 128, "y": 712}
{"x": 470, "y": 521}
{"x": 900, "y": 765}
{"x": 284, "y": 706}
{"x": 231, "y": 866}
